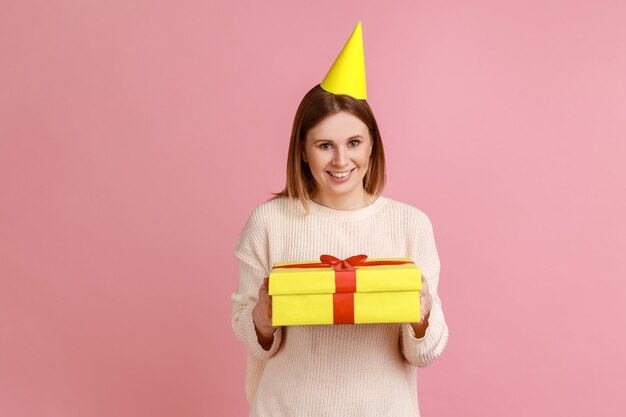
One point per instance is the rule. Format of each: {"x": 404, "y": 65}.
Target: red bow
{"x": 348, "y": 263}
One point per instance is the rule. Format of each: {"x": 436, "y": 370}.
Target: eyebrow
{"x": 347, "y": 140}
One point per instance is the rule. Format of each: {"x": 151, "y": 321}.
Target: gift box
{"x": 345, "y": 291}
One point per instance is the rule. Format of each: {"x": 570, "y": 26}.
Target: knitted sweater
{"x": 335, "y": 370}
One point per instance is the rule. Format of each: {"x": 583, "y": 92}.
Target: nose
{"x": 341, "y": 156}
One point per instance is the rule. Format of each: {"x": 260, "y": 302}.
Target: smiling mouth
{"x": 340, "y": 174}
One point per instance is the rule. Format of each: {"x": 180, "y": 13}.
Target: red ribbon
{"x": 345, "y": 281}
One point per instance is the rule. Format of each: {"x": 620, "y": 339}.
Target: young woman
{"x": 333, "y": 204}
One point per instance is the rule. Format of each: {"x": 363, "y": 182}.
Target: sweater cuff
{"x": 251, "y": 339}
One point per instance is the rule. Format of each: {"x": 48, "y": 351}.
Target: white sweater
{"x": 335, "y": 370}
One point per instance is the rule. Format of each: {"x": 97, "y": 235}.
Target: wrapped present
{"x": 348, "y": 291}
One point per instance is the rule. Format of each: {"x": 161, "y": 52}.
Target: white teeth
{"x": 339, "y": 174}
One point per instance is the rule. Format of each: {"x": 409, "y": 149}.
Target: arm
{"x": 244, "y": 300}
{"x": 422, "y": 344}
{"x": 422, "y": 349}
{"x": 252, "y": 253}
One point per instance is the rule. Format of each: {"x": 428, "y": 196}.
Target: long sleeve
{"x": 424, "y": 351}
{"x": 251, "y": 251}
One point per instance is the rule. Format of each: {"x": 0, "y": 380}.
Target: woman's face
{"x": 338, "y": 150}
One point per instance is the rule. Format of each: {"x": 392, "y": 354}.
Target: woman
{"x": 336, "y": 172}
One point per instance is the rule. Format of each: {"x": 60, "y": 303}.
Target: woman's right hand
{"x": 262, "y": 314}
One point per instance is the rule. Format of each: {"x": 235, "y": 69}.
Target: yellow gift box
{"x": 345, "y": 291}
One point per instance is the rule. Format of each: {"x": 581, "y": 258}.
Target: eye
{"x": 323, "y": 146}
{"x": 355, "y": 142}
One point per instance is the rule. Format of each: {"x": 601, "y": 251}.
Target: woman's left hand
{"x": 426, "y": 300}
{"x": 426, "y": 303}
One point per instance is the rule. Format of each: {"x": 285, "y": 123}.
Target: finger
{"x": 425, "y": 297}
{"x": 425, "y": 286}
{"x": 427, "y": 304}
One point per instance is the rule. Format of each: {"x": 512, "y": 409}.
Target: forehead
{"x": 338, "y": 126}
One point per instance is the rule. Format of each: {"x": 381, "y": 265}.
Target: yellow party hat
{"x": 347, "y": 75}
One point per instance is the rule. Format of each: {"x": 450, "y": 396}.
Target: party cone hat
{"x": 347, "y": 75}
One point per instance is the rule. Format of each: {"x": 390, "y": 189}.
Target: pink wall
{"x": 136, "y": 138}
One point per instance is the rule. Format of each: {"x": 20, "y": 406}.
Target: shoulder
{"x": 268, "y": 213}
{"x": 408, "y": 212}
{"x": 418, "y": 230}
{"x": 271, "y": 208}
{"x": 253, "y": 243}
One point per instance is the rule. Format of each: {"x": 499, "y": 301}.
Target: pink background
{"x": 136, "y": 137}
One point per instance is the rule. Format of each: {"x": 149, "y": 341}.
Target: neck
{"x": 353, "y": 201}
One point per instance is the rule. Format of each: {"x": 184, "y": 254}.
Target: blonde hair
{"x": 315, "y": 106}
